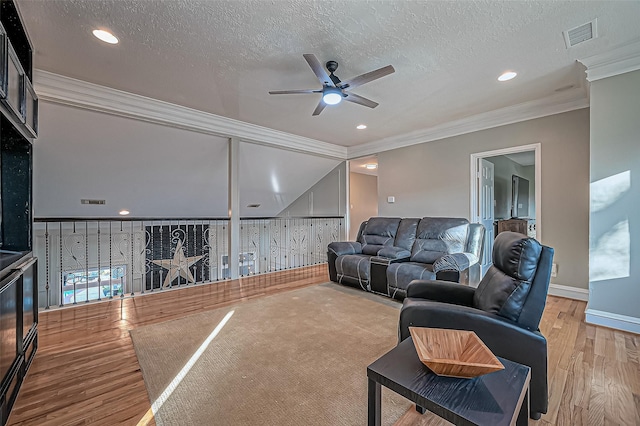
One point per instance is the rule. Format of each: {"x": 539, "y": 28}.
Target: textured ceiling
{"x": 223, "y": 57}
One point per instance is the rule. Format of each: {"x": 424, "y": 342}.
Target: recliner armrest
{"x": 455, "y": 262}
{"x": 394, "y": 253}
{"x": 345, "y": 247}
{"x": 441, "y": 291}
{"x": 425, "y": 313}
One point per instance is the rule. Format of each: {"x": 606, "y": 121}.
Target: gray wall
{"x": 615, "y": 195}
{"x": 148, "y": 169}
{"x": 275, "y": 178}
{"x": 432, "y": 179}
{"x": 327, "y": 197}
{"x": 363, "y": 202}
{"x": 158, "y": 171}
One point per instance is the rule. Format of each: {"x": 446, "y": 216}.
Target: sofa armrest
{"x": 455, "y": 262}
{"x": 345, "y": 247}
{"x": 441, "y": 291}
{"x": 394, "y": 253}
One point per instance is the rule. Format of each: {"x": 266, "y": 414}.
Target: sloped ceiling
{"x": 223, "y": 57}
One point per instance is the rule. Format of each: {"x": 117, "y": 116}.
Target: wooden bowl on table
{"x": 453, "y": 353}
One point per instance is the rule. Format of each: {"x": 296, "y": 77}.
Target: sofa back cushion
{"x": 406, "y": 235}
{"x": 506, "y": 285}
{"x": 437, "y": 236}
{"x": 379, "y": 232}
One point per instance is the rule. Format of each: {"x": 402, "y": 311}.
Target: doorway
{"x": 495, "y": 198}
{"x": 363, "y": 192}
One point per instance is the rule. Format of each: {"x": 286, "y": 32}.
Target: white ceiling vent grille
{"x": 580, "y": 34}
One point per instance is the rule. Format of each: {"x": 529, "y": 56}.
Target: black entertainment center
{"x": 18, "y": 267}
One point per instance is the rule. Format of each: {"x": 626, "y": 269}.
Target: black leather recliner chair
{"x": 504, "y": 311}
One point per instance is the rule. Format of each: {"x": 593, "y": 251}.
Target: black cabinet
{"x": 15, "y": 184}
{"x": 18, "y": 329}
{"x": 18, "y": 268}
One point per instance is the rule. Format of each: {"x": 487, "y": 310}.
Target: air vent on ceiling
{"x": 580, "y": 34}
{"x": 95, "y": 202}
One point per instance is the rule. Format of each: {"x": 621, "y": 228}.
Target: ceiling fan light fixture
{"x": 332, "y": 96}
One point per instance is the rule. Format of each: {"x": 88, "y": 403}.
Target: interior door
{"x": 486, "y": 210}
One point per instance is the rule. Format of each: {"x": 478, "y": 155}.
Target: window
{"x": 82, "y": 285}
{"x": 247, "y": 265}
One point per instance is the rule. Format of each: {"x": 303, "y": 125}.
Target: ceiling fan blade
{"x": 293, "y": 92}
{"x": 367, "y": 77}
{"x": 352, "y": 97}
{"x": 319, "y": 108}
{"x": 318, "y": 69}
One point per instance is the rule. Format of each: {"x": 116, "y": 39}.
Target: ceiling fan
{"x": 333, "y": 90}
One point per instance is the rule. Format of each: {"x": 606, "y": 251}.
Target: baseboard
{"x": 611, "y": 320}
{"x": 569, "y": 292}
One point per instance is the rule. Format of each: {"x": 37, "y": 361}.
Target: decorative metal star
{"x": 178, "y": 266}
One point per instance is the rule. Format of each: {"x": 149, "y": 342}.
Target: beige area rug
{"x": 295, "y": 358}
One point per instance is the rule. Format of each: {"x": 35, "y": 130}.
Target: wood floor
{"x": 86, "y": 371}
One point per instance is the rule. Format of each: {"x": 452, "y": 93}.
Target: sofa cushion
{"x": 506, "y": 285}
{"x": 399, "y": 275}
{"x": 379, "y": 232}
{"x": 393, "y": 252}
{"x": 437, "y": 236}
{"x": 355, "y": 266}
{"x": 406, "y": 235}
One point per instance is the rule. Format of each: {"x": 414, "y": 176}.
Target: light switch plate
{"x": 391, "y": 199}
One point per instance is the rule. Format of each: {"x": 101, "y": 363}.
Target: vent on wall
{"x": 580, "y": 34}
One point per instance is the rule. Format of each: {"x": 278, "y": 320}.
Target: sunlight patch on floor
{"x": 157, "y": 404}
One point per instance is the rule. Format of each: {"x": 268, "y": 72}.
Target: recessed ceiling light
{"x": 361, "y": 126}
{"x": 371, "y": 166}
{"x": 124, "y": 212}
{"x": 105, "y": 36}
{"x": 507, "y": 76}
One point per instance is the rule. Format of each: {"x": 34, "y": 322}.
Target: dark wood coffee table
{"x": 499, "y": 398}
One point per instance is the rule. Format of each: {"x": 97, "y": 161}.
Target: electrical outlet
{"x": 554, "y": 269}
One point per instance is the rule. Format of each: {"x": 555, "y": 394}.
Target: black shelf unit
{"x": 18, "y": 267}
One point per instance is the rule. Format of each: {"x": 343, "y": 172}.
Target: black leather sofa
{"x": 504, "y": 311}
{"x": 390, "y": 252}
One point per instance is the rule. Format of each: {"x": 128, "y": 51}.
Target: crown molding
{"x": 569, "y": 100}
{"x": 618, "y": 60}
{"x": 68, "y": 91}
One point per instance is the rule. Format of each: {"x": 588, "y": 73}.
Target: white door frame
{"x": 536, "y": 147}
{"x": 482, "y": 210}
